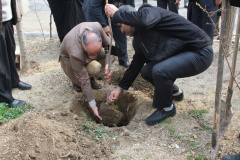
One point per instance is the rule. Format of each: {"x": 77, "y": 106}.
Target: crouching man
{"x": 167, "y": 47}
{"x": 81, "y": 58}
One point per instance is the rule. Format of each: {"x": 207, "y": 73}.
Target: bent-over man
{"x": 167, "y": 47}
{"x": 81, "y": 58}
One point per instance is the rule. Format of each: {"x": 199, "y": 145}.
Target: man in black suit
{"x": 9, "y": 78}
{"x": 167, "y": 47}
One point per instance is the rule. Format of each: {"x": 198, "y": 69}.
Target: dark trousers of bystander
{"x": 163, "y": 74}
{"x": 121, "y": 42}
{"x": 168, "y": 3}
{"x": 8, "y": 73}
{"x": 201, "y": 19}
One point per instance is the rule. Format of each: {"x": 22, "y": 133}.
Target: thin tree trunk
{"x": 21, "y": 39}
{"x": 50, "y": 26}
{"x": 227, "y": 25}
{"x": 227, "y": 113}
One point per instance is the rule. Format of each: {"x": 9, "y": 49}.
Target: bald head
{"x": 92, "y": 42}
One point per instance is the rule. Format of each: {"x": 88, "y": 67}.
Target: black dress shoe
{"x": 160, "y": 115}
{"x": 178, "y": 97}
{"x": 124, "y": 64}
{"x": 24, "y": 86}
{"x": 94, "y": 84}
{"x": 16, "y": 103}
{"x": 77, "y": 88}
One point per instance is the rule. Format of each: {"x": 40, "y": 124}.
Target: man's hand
{"x": 95, "y": 112}
{"x": 114, "y": 94}
{"x": 110, "y": 9}
{"x": 107, "y": 30}
{"x": 217, "y": 2}
{"x": 107, "y": 75}
{"x": 177, "y": 1}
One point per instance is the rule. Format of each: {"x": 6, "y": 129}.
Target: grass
{"x": 198, "y": 114}
{"x": 205, "y": 127}
{"x": 7, "y": 113}
{"x": 197, "y": 157}
{"x": 208, "y": 144}
{"x": 166, "y": 121}
{"x": 128, "y": 158}
{"x": 193, "y": 144}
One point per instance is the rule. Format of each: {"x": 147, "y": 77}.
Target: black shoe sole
{"x": 178, "y": 97}
{"x": 171, "y": 115}
{"x": 24, "y": 88}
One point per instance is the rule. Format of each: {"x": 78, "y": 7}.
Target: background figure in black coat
{"x": 94, "y": 11}
{"x": 172, "y": 5}
{"x": 167, "y": 47}
{"x": 9, "y": 78}
{"x": 200, "y": 18}
{"x": 67, "y": 14}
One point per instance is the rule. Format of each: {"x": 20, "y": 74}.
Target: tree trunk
{"x": 228, "y": 17}
{"x": 21, "y": 39}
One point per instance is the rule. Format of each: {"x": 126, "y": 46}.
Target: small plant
{"x": 7, "y": 113}
{"x": 172, "y": 130}
{"x": 198, "y": 114}
{"x": 178, "y": 138}
{"x": 113, "y": 106}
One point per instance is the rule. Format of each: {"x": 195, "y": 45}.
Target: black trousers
{"x": 163, "y": 74}
{"x": 168, "y": 3}
{"x": 121, "y": 42}
{"x": 8, "y": 73}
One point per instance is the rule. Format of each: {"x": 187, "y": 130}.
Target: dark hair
{"x": 127, "y": 8}
{"x": 86, "y": 40}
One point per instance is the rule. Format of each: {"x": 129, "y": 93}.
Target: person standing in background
{"x": 197, "y": 16}
{"x": 9, "y": 77}
{"x": 67, "y": 14}
{"x": 94, "y": 12}
{"x": 172, "y": 5}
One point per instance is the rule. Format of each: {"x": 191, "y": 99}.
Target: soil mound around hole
{"x": 33, "y": 137}
{"x": 139, "y": 83}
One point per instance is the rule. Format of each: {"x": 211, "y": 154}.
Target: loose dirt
{"x": 61, "y": 126}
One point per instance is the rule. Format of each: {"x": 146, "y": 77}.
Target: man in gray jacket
{"x": 80, "y": 57}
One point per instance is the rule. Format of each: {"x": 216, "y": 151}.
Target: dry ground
{"x": 60, "y": 125}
